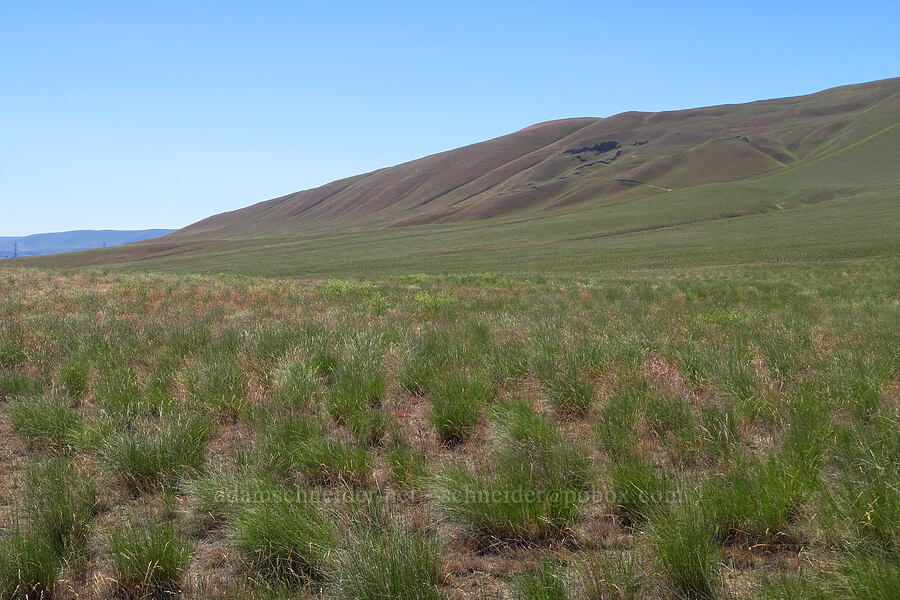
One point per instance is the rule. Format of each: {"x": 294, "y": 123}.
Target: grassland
{"x": 701, "y": 432}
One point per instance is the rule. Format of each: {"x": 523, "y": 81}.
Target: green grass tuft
{"x": 684, "y": 547}
{"x": 29, "y": 565}
{"x": 531, "y": 488}
{"x": 541, "y": 584}
{"x": 383, "y": 559}
{"x": 637, "y": 489}
{"x": 279, "y": 532}
{"x": 456, "y": 407}
{"x": 148, "y": 559}
{"x": 60, "y": 501}
{"x": 45, "y": 422}
{"x": 149, "y": 459}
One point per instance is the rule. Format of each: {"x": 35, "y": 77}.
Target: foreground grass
{"x": 702, "y": 435}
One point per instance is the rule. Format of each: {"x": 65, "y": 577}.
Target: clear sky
{"x": 141, "y": 114}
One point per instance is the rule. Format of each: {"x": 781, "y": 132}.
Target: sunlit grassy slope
{"x": 788, "y": 180}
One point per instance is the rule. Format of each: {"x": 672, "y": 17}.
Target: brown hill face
{"x": 572, "y": 163}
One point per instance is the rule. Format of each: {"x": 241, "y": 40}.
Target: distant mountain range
{"x": 69, "y": 241}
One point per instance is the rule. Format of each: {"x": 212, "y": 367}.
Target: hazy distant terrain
{"x": 70, "y": 241}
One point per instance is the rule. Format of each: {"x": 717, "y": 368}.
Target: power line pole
{"x": 15, "y": 249}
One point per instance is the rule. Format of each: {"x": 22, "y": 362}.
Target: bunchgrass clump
{"x": 531, "y": 487}
{"x": 370, "y": 426}
{"x": 119, "y": 394}
{"x": 683, "y": 545}
{"x": 297, "y": 385}
{"x": 45, "y": 422}
{"x": 456, "y": 407}
{"x": 220, "y": 384}
{"x": 74, "y": 376}
{"x": 298, "y": 446}
{"x": 219, "y": 495}
{"x": 60, "y": 501}
{"x": 148, "y": 558}
{"x": 409, "y": 465}
{"x": 152, "y": 458}
{"x": 757, "y": 501}
{"x": 428, "y": 355}
{"x": 869, "y": 577}
{"x": 544, "y": 583}
{"x": 570, "y": 392}
{"x": 14, "y": 384}
{"x": 356, "y": 387}
{"x": 637, "y": 490}
{"x": 326, "y": 460}
{"x": 611, "y": 575}
{"x": 29, "y": 564}
{"x": 864, "y": 501}
{"x": 616, "y": 418}
{"x": 282, "y": 533}
{"x": 382, "y": 558}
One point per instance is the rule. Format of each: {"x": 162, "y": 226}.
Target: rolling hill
{"x": 71, "y": 241}
{"x": 791, "y": 179}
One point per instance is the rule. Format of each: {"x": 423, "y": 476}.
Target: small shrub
{"x": 45, "y": 421}
{"x": 148, "y": 559}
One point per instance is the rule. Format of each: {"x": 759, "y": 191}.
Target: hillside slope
{"x": 820, "y": 169}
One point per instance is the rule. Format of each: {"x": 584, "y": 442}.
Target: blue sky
{"x": 134, "y": 115}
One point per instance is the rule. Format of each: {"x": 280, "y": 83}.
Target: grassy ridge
{"x": 700, "y": 432}
{"x": 697, "y": 199}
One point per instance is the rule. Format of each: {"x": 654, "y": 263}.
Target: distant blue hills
{"x": 70, "y": 241}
